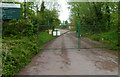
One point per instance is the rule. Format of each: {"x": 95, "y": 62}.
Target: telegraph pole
{"x": 24, "y": 9}
{"x": 118, "y": 37}
{"x": 79, "y": 35}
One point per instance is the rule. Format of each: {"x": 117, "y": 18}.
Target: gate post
{"x": 79, "y": 34}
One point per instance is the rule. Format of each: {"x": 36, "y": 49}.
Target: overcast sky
{"x": 64, "y": 11}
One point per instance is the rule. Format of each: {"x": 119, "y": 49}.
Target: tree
{"x": 42, "y": 6}
{"x": 66, "y": 22}
{"x": 96, "y": 16}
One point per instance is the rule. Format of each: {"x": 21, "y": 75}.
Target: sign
{"x": 10, "y": 11}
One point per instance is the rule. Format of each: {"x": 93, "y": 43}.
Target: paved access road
{"x": 86, "y": 61}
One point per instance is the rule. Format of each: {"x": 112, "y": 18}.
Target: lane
{"x": 72, "y": 62}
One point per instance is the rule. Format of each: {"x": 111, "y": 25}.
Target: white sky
{"x": 64, "y": 11}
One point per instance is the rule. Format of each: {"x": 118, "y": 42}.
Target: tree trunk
{"x": 108, "y": 17}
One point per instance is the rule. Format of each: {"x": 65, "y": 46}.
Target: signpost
{"x": 10, "y": 11}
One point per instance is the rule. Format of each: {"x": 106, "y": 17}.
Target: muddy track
{"x": 64, "y": 53}
{"x": 88, "y": 61}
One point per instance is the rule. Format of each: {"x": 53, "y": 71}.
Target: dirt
{"x": 106, "y": 65}
{"x": 88, "y": 61}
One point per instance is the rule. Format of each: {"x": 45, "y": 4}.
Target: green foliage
{"x": 46, "y": 18}
{"x": 31, "y": 25}
{"x": 42, "y": 18}
{"x": 18, "y": 53}
{"x": 18, "y": 27}
{"x": 99, "y": 20}
{"x": 96, "y": 16}
{"x": 30, "y": 7}
{"x": 42, "y": 6}
{"x": 19, "y": 44}
{"x": 74, "y": 29}
{"x": 107, "y": 37}
{"x": 66, "y": 22}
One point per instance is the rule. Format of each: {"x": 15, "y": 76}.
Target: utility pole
{"x": 118, "y": 36}
{"x": 79, "y": 36}
{"x": 24, "y": 9}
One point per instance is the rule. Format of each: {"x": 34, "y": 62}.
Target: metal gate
{"x": 78, "y": 36}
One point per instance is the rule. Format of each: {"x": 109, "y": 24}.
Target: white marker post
{"x": 58, "y": 33}
{"x": 54, "y": 33}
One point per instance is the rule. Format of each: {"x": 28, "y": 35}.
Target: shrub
{"x": 18, "y": 28}
{"x": 19, "y": 52}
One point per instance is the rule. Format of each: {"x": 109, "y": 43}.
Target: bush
{"x": 19, "y": 28}
{"x": 18, "y": 53}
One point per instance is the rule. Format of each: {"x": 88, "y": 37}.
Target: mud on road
{"x": 87, "y": 61}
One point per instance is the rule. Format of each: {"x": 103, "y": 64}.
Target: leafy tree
{"x": 96, "y": 16}
{"x": 34, "y": 20}
{"x": 66, "y": 22}
{"x": 42, "y": 7}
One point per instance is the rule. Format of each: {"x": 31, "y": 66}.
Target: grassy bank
{"x": 19, "y": 52}
{"x": 109, "y": 38}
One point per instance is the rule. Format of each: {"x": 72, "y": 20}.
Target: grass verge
{"x": 109, "y": 38}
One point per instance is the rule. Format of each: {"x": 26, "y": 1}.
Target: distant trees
{"x": 66, "y": 22}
